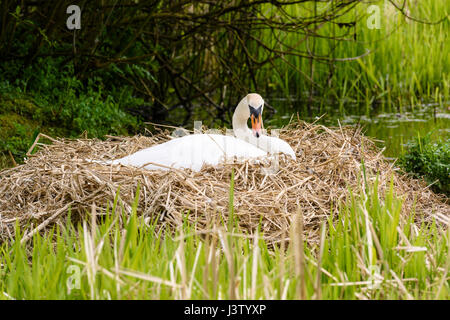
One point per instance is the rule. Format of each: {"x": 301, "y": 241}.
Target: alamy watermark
{"x": 74, "y": 20}
{"x": 374, "y": 19}
{"x": 74, "y": 280}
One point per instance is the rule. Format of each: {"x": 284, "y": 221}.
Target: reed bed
{"x": 404, "y": 62}
{"x": 58, "y": 179}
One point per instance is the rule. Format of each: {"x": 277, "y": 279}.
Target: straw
{"x": 57, "y": 178}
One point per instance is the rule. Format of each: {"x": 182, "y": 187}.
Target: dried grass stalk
{"x": 328, "y": 165}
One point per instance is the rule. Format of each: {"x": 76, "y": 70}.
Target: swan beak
{"x": 256, "y": 124}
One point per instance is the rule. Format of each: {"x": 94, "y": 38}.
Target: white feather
{"x": 194, "y": 151}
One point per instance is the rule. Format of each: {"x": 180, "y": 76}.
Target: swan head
{"x": 255, "y": 106}
{"x": 251, "y": 106}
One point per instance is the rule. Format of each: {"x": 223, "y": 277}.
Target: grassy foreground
{"x": 367, "y": 252}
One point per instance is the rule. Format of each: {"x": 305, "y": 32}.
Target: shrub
{"x": 430, "y": 160}
{"x": 47, "y": 97}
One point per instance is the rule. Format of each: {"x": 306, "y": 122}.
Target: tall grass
{"x": 408, "y": 63}
{"x": 367, "y": 251}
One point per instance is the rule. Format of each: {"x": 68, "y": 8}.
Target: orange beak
{"x": 256, "y": 125}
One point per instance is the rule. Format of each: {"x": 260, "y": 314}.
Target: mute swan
{"x": 193, "y": 151}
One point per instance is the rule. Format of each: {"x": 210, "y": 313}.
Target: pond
{"x": 394, "y": 129}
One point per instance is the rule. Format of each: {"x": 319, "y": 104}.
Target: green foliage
{"x": 62, "y": 99}
{"x": 429, "y": 159}
{"x": 368, "y": 251}
{"x": 123, "y": 67}
{"x": 309, "y": 50}
{"x": 45, "y": 97}
{"x": 408, "y": 61}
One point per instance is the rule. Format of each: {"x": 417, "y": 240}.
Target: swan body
{"x": 191, "y": 152}
{"x": 194, "y": 151}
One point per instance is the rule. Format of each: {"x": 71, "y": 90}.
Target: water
{"x": 394, "y": 129}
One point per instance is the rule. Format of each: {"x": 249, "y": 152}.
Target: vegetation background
{"x": 172, "y": 62}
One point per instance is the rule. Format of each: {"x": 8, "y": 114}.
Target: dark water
{"x": 395, "y": 129}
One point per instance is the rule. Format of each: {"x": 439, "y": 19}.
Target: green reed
{"x": 367, "y": 250}
{"x": 408, "y": 63}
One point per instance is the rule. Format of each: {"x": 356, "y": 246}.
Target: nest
{"x": 58, "y": 179}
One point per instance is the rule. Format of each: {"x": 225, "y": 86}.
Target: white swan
{"x": 193, "y": 151}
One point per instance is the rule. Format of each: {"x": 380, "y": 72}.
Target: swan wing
{"x": 192, "y": 151}
{"x": 272, "y": 145}
{"x": 280, "y": 146}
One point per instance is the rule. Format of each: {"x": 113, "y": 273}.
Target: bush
{"x": 430, "y": 160}
{"x": 47, "y": 97}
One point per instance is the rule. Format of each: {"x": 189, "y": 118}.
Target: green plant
{"x": 429, "y": 159}
{"x": 367, "y": 250}
{"x": 45, "y": 97}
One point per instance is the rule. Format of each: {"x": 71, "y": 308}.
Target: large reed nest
{"x": 58, "y": 178}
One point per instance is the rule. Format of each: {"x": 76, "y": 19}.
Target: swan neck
{"x": 239, "y": 124}
{"x": 240, "y": 118}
